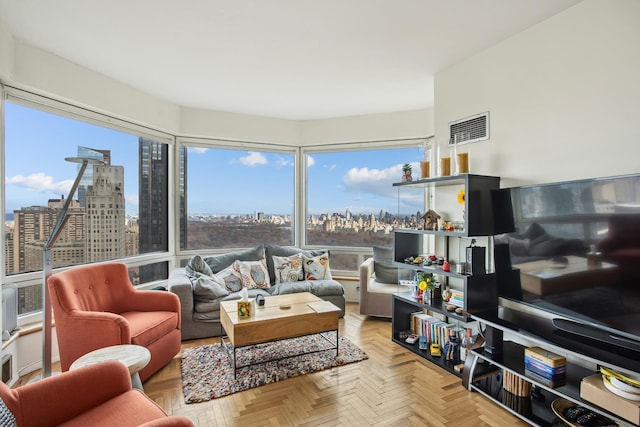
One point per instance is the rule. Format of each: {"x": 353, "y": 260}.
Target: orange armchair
{"x": 96, "y": 395}
{"x": 96, "y": 306}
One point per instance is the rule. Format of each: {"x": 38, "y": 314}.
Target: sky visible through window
{"x": 37, "y": 142}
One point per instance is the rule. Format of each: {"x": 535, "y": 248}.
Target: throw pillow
{"x": 383, "y": 267}
{"x": 284, "y": 251}
{"x": 254, "y": 274}
{"x": 288, "y": 269}
{"x": 222, "y": 261}
{"x": 230, "y": 278}
{"x": 197, "y": 265}
{"x": 316, "y": 268}
{"x": 207, "y": 289}
{"x": 6, "y": 417}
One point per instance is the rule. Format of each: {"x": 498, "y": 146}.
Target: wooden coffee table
{"x": 546, "y": 276}
{"x": 281, "y": 317}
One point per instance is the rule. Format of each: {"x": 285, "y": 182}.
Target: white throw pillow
{"x": 230, "y": 278}
{"x": 288, "y": 269}
{"x": 254, "y": 274}
{"x": 316, "y": 268}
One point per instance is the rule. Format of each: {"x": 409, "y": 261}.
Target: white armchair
{"x": 375, "y": 297}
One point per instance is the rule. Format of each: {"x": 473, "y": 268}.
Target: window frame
{"x": 64, "y": 109}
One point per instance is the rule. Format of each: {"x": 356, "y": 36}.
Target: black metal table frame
{"x": 229, "y": 347}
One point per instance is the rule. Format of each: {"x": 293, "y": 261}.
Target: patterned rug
{"x": 207, "y": 372}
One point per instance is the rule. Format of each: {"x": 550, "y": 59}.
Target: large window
{"x": 237, "y": 197}
{"x": 351, "y": 201}
{"x": 119, "y": 210}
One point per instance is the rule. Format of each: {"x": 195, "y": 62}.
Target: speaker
{"x": 9, "y": 310}
{"x": 493, "y": 340}
{"x": 476, "y": 256}
{"x": 503, "y": 221}
{"x": 502, "y": 256}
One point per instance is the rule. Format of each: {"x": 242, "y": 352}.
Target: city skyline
{"x": 358, "y": 181}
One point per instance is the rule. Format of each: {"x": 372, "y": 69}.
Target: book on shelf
{"x": 456, "y": 297}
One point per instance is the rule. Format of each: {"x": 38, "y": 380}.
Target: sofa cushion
{"x": 291, "y": 288}
{"x": 230, "y": 278}
{"x": 284, "y": 251}
{"x": 253, "y": 274}
{"x": 288, "y": 269}
{"x": 197, "y": 265}
{"x": 217, "y": 263}
{"x": 317, "y": 287}
{"x": 207, "y": 289}
{"x": 317, "y": 267}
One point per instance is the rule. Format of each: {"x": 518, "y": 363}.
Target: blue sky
{"x": 218, "y": 181}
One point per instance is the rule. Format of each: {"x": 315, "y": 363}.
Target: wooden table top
{"x": 135, "y": 357}
{"x": 282, "y": 316}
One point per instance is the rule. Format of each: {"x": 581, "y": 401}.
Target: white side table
{"x": 134, "y": 357}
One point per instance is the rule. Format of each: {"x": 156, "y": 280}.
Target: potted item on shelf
{"x": 406, "y": 172}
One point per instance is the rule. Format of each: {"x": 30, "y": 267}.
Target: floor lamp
{"x": 47, "y": 266}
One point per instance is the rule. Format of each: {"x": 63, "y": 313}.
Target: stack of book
{"x": 435, "y": 330}
{"x": 545, "y": 367}
{"x": 457, "y": 297}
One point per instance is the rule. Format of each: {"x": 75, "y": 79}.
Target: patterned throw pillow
{"x": 316, "y": 268}
{"x": 254, "y": 274}
{"x": 6, "y": 417}
{"x": 288, "y": 269}
{"x": 230, "y": 278}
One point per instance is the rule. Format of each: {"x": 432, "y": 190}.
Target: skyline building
{"x": 87, "y": 177}
{"x": 105, "y": 214}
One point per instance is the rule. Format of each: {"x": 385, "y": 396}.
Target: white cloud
{"x": 310, "y": 161}
{"x": 283, "y": 162}
{"x": 330, "y": 167}
{"x": 40, "y": 182}
{"x": 253, "y": 159}
{"x": 372, "y": 181}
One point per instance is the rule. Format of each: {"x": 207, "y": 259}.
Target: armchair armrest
{"x": 152, "y": 300}
{"x": 172, "y": 421}
{"x": 59, "y": 398}
{"x": 366, "y": 273}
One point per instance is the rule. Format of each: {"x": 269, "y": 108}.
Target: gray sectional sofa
{"x": 200, "y": 289}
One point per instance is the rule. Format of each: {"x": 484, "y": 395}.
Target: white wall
{"x": 563, "y": 96}
{"x": 372, "y": 127}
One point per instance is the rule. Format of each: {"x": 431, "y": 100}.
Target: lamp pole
{"x": 47, "y": 263}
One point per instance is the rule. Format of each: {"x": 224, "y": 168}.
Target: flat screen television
{"x": 576, "y": 245}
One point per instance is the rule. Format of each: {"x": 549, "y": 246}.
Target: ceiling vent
{"x": 470, "y": 129}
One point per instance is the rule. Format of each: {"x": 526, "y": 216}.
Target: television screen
{"x": 577, "y": 247}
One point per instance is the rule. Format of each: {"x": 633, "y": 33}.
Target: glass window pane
{"x": 351, "y": 200}
{"x": 237, "y": 198}
{"x": 119, "y": 208}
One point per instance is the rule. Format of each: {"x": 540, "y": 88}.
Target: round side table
{"x": 134, "y": 357}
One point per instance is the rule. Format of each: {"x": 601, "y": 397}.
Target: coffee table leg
{"x": 337, "y": 342}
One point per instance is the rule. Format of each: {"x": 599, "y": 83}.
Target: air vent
{"x": 471, "y": 129}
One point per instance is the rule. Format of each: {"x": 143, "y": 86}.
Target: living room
{"x": 563, "y": 96}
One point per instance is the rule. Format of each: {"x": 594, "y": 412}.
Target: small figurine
{"x": 430, "y": 219}
{"x": 406, "y": 172}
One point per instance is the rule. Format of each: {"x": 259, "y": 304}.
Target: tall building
{"x": 8, "y": 248}
{"x": 153, "y": 215}
{"x": 106, "y": 214}
{"x": 33, "y": 225}
{"x": 87, "y": 177}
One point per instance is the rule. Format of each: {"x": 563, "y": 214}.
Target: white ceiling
{"x": 294, "y": 59}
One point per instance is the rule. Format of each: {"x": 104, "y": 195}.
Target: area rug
{"x": 207, "y": 372}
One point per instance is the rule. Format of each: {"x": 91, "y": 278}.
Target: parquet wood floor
{"x": 394, "y": 387}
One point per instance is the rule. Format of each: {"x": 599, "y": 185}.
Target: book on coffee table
{"x": 322, "y": 306}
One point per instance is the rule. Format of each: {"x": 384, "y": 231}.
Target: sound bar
{"x": 594, "y": 333}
